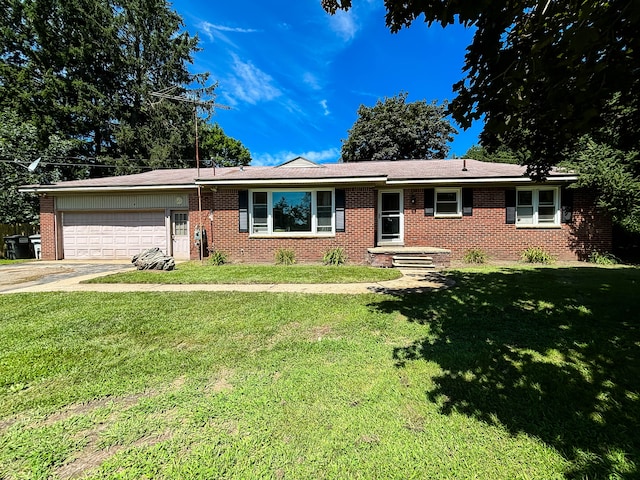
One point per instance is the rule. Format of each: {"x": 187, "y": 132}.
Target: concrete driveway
{"x": 38, "y": 275}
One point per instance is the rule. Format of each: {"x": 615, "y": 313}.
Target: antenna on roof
{"x": 166, "y": 94}
{"x": 32, "y": 166}
{"x": 195, "y": 100}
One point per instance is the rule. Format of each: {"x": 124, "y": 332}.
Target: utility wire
{"x": 86, "y": 163}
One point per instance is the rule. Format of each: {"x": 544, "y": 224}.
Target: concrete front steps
{"x": 412, "y": 261}
{"x": 409, "y": 257}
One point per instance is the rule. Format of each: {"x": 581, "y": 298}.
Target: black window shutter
{"x": 429, "y": 209}
{"x": 467, "y": 202}
{"x": 510, "y": 205}
{"x": 340, "y": 220}
{"x": 566, "y": 213}
{"x": 243, "y": 211}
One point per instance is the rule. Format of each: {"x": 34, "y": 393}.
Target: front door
{"x": 180, "y": 235}
{"x": 390, "y": 217}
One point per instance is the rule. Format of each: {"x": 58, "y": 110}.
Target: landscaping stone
{"x": 153, "y": 259}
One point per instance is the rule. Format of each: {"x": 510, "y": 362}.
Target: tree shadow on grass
{"x": 550, "y": 352}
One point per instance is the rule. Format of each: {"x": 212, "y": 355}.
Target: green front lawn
{"x": 6, "y": 261}
{"x": 194, "y": 273}
{"x": 513, "y": 373}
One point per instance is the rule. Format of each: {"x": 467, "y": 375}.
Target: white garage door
{"x": 112, "y": 235}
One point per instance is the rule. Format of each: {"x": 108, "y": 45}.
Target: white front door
{"x": 390, "y": 217}
{"x": 180, "y": 235}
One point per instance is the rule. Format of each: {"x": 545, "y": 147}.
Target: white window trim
{"x": 314, "y": 213}
{"x": 458, "y": 192}
{"x": 535, "y": 199}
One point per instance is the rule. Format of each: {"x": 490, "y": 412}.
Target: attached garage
{"x": 115, "y": 218}
{"x": 112, "y": 235}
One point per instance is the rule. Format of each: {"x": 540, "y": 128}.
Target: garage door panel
{"x": 112, "y": 235}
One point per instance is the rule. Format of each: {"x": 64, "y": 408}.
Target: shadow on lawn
{"x": 553, "y": 353}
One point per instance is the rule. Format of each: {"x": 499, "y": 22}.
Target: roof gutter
{"x": 292, "y": 181}
{"x": 448, "y": 181}
{"x": 118, "y": 188}
{"x": 51, "y": 189}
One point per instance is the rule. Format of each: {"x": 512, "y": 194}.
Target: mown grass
{"x": 6, "y": 261}
{"x": 512, "y": 373}
{"x": 196, "y": 273}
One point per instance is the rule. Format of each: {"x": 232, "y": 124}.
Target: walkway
{"x": 66, "y": 277}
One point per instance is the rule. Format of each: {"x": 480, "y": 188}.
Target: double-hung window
{"x": 447, "y": 202}
{"x": 260, "y": 218}
{"x": 292, "y": 212}
{"x": 538, "y": 206}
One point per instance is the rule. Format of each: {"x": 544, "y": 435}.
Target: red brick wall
{"x": 486, "y": 229}
{"x": 359, "y": 234}
{"x": 200, "y": 219}
{"x": 47, "y": 228}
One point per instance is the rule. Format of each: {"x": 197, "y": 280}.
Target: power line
{"x": 196, "y": 101}
{"x": 44, "y": 162}
{"x": 87, "y": 162}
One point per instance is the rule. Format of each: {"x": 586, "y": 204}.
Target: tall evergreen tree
{"x": 86, "y": 70}
{"x": 20, "y": 145}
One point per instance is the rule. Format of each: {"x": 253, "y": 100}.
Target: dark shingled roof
{"x": 394, "y": 170}
{"x": 406, "y": 171}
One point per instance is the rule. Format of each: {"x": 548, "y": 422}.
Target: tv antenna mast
{"x": 166, "y": 94}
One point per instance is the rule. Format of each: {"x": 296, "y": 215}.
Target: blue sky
{"x": 295, "y": 76}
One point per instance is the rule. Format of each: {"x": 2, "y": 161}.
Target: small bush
{"x": 536, "y": 255}
{"x": 603, "y": 258}
{"x": 335, "y": 256}
{"x": 475, "y": 255}
{"x": 285, "y": 256}
{"x": 217, "y": 257}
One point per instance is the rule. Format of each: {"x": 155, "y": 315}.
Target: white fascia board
{"x": 449, "y": 181}
{"x": 290, "y": 181}
{"x": 120, "y": 188}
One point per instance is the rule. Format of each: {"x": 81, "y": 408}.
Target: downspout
{"x": 56, "y": 240}
{"x": 200, "y": 221}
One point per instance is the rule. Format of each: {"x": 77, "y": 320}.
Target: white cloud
{"x": 249, "y": 84}
{"x": 344, "y": 24}
{"x": 330, "y": 155}
{"x": 325, "y": 108}
{"x": 311, "y": 80}
{"x": 212, "y": 31}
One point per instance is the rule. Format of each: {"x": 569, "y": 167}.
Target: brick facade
{"x": 48, "y": 228}
{"x": 485, "y": 229}
{"x": 359, "y": 233}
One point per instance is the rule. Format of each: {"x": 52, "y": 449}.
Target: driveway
{"x": 39, "y": 274}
